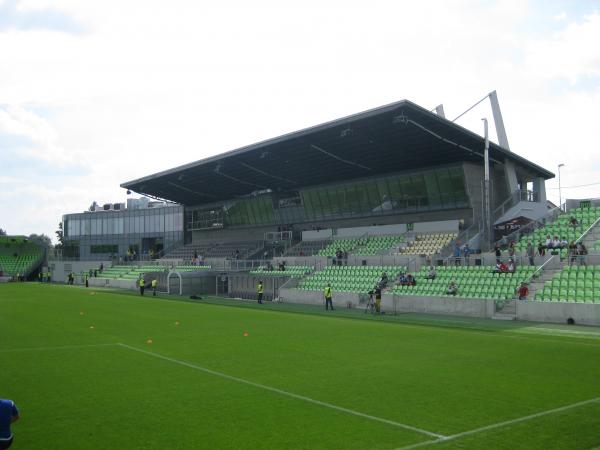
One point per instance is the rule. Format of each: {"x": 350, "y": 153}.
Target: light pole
{"x": 559, "y": 191}
{"x": 487, "y": 219}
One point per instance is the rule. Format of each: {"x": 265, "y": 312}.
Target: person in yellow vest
{"x": 260, "y": 289}
{"x": 154, "y": 283}
{"x": 328, "y": 297}
{"x": 142, "y": 285}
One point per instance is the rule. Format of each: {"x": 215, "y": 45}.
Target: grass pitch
{"x": 96, "y": 369}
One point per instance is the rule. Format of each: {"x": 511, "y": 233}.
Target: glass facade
{"x": 428, "y": 190}
{"x": 107, "y": 234}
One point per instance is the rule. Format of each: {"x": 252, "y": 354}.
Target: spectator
{"x": 452, "y": 288}
{"x": 431, "y": 274}
{"x": 530, "y": 252}
{"x": 548, "y": 243}
{"x": 456, "y": 253}
{"x": 564, "y": 243}
{"x": 581, "y": 253}
{"x": 402, "y": 280}
{"x": 511, "y": 266}
{"x": 497, "y": 250}
{"x": 541, "y": 249}
{"x": 383, "y": 281}
{"x": 511, "y": 250}
{"x": 556, "y": 243}
{"x": 574, "y": 222}
{"x": 572, "y": 252}
{"x": 466, "y": 253}
{"x": 8, "y": 415}
{"x": 101, "y": 267}
{"x": 269, "y": 266}
{"x": 523, "y": 291}
{"x": 410, "y": 280}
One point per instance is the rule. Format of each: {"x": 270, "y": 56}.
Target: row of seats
{"x": 473, "y": 282}
{"x": 377, "y": 244}
{"x": 349, "y": 278}
{"x": 18, "y": 255}
{"x": 562, "y": 227}
{"x": 572, "y": 284}
{"x": 428, "y": 244}
{"x": 345, "y": 244}
{"x": 290, "y": 271}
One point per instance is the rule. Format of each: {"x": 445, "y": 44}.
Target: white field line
{"x": 57, "y": 347}
{"x": 282, "y": 392}
{"x": 503, "y": 424}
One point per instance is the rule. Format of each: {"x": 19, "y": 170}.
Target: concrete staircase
{"x": 508, "y": 311}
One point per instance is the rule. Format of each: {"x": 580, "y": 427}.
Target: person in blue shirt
{"x": 8, "y": 414}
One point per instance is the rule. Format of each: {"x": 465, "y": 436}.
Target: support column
{"x": 511, "y": 176}
{"x": 539, "y": 187}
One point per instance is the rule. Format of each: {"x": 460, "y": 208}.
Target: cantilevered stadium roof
{"x": 398, "y": 137}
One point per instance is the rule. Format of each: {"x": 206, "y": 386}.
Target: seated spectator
{"x": 556, "y": 243}
{"x": 269, "y": 266}
{"x": 384, "y": 278}
{"x": 511, "y": 266}
{"x": 541, "y": 249}
{"x": 548, "y": 243}
{"x": 573, "y": 222}
{"x": 402, "y": 280}
{"x": 410, "y": 280}
{"x": 564, "y": 243}
{"x": 523, "y": 291}
{"x": 431, "y": 274}
{"x": 282, "y": 266}
{"x": 452, "y": 288}
{"x": 500, "y": 267}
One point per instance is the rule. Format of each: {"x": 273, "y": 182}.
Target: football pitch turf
{"x": 100, "y": 369}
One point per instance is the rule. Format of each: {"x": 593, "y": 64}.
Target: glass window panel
{"x": 432, "y": 190}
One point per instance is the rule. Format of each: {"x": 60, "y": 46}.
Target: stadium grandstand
{"x": 359, "y": 203}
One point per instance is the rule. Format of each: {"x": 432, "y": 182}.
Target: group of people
{"x": 406, "y": 279}
{"x": 462, "y": 253}
{"x": 142, "y": 285}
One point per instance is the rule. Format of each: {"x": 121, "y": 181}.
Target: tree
{"x": 60, "y": 236}
{"x": 2, "y": 232}
{"x": 41, "y": 239}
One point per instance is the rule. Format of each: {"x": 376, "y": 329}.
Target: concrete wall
{"x": 117, "y": 284}
{"x": 559, "y": 312}
{"x": 380, "y": 230}
{"x": 437, "y": 226}
{"x": 317, "y": 235}
{"x": 395, "y": 304}
{"x": 61, "y": 269}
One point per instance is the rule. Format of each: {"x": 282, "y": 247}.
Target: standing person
{"x": 466, "y": 253}
{"x": 154, "y": 283}
{"x": 328, "y": 297}
{"x": 87, "y": 282}
{"x": 456, "y": 254}
{"x": 8, "y": 415}
{"x": 523, "y": 291}
{"x": 530, "y": 252}
{"x": 377, "y": 299}
{"x": 142, "y": 284}
{"x": 497, "y": 250}
{"x": 260, "y": 289}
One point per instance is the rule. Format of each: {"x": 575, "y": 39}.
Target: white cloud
{"x": 151, "y": 85}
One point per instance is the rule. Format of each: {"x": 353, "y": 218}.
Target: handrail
{"x": 541, "y": 268}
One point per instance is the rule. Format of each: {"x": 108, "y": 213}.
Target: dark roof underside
{"x": 397, "y": 137}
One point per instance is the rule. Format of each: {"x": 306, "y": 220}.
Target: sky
{"x": 96, "y": 93}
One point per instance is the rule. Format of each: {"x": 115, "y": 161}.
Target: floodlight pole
{"x": 559, "y": 189}
{"x": 487, "y": 219}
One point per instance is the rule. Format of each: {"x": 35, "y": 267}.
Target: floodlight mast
{"x": 487, "y": 219}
